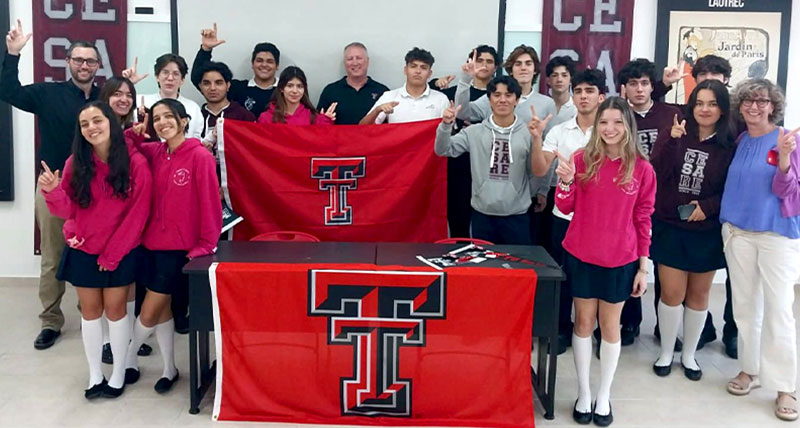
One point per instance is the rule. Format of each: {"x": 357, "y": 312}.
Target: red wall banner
{"x": 596, "y": 34}
{"x": 370, "y": 183}
{"x": 366, "y": 345}
{"x": 57, "y": 23}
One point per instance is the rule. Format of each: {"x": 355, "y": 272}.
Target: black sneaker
{"x": 108, "y": 357}
{"x": 164, "y": 385}
{"x": 95, "y": 391}
{"x": 144, "y": 350}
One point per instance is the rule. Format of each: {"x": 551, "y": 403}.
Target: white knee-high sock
{"x": 131, "y": 308}
{"x": 140, "y": 334}
{"x": 669, "y": 320}
{"x": 120, "y": 335}
{"x": 92, "y": 333}
{"x": 105, "y": 328}
{"x": 693, "y": 323}
{"x": 609, "y": 356}
{"x": 165, "y": 335}
{"x": 582, "y": 354}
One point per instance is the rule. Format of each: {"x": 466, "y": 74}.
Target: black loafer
{"x": 109, "y": 392}
{"x": 708, "y": 335}
{"x": 692, "y": 374}
{"x": 108, "y": 357}
{"x": 564, "y": 341}
{"x": 603, "y": 420}
{"x": 181, "y": 325}
{"x": 628, "y": 335}
{"x": 164, "y": 385}
{"x": 662, "y": 371}
{"x": 95, "y": 391}
{"x": 144, "y": 350}
{"x": 731, "y": 348}
{"x": 131, "y": 376}
{"x": 581, "y": 417}
{"x": 46, "y": 338}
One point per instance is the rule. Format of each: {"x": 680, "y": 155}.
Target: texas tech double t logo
{"x": 376, "y": 312}
{"x": 337, "y": 176}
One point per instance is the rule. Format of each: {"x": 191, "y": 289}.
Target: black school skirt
{"x": 161, "y": 271}
{"x": 589, "y": 281}
{"x": 81, "y": 270}
{"x": 687, "y": 250}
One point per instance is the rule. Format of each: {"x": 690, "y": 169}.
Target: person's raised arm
{"x": 540, "y": 160}
{"x": 208, "y": 43}
{"x": 11, "y": 90}
{"x": 381, "y": 106}
{"x": 565, "y": 190}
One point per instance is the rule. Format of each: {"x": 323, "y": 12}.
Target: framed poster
{"x": 6, "y": 136}
{"x": 752, "y": 36}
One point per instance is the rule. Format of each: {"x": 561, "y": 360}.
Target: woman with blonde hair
{"x": 760, "y": 217}
{"x": 609, "y": 186}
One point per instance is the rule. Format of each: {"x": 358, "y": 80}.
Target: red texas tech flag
{"x": 339, "y": 183}
{"x": 359, "y": 344}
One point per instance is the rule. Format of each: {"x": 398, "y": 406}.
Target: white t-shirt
{"x": 196, "y": 123}
{"x": 429, "y": 105}
{"x": 566, "y": 138}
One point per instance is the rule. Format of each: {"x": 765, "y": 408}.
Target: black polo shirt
{"x": 55, "y": 104}
{"x": 353, "y": 104}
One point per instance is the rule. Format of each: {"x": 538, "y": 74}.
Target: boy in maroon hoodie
{"x": 104, "y": 197}
{"x": 185, "y": 222}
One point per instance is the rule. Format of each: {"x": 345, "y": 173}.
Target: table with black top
{"x": 201, "y": 320}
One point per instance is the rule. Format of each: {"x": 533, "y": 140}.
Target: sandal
{"x": 786, "y": 406}
{"x": 741, "y": 386}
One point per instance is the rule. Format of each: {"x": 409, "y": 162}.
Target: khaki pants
{"x": 52, "y": 245}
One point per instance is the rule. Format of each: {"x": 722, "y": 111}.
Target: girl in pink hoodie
{"x": 290, "y": 103}
{"x": 104, "y": 197}
{"x": 185, "y": 222}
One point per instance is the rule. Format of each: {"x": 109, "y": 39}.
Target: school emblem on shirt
{"x": 249, "y": 103}
{"x": 374, "y": 96}
{"x": 181, "y": 177}
{"x": 501, "y": 161}
{"x": 631, "y": 188}
{"x": 692, "y": 171}
{"x": 337, "y": 176}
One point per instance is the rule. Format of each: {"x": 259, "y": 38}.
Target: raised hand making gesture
{"x": 678, "y": 129}
{"x": 787, "y": 143}
{"x": 48, "y": 180}
{"x": 537, "y": 126}
{"x": 469, "y": 66}
{"x": 132, "y": 75}
{"x": 16, "y": 39}
{"x": 330, "y": 112}
{"x": 450, "y": 113}
{"x": 566, "y": 168}
{"x": 210, "y": 40}
{"x": 673, "y": 74}
{"x": 141, "y": 127}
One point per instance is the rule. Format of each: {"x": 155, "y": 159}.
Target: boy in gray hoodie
{"x": 500, "y": 153}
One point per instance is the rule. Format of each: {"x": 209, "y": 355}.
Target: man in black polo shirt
{"x": 254, "y": 94}
{"x": 56, "y": 106}
{"x": 356, "y": 92}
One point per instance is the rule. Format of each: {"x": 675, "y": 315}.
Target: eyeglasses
{"x": 91, "y": 62}
{"x": 761, "y": 102}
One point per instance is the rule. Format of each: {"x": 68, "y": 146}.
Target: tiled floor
{"x": 45, "y": 388}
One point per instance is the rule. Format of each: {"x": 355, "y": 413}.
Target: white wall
{"x": 16, "y": 218}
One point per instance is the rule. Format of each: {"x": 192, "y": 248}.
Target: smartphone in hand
{"x": 684, "y": 211}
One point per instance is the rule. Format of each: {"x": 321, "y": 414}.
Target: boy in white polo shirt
{"x": 414, "y": 101}
{"x": 589, "y": 88}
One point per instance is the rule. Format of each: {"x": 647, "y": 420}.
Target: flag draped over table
{"x": 373, "y": 345}
{"x": 339, "y": 183}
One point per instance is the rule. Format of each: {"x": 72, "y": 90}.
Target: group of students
{"x": 603, "y": 182}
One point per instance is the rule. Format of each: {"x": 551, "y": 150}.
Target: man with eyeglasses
{"x": 56, "y": 106}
